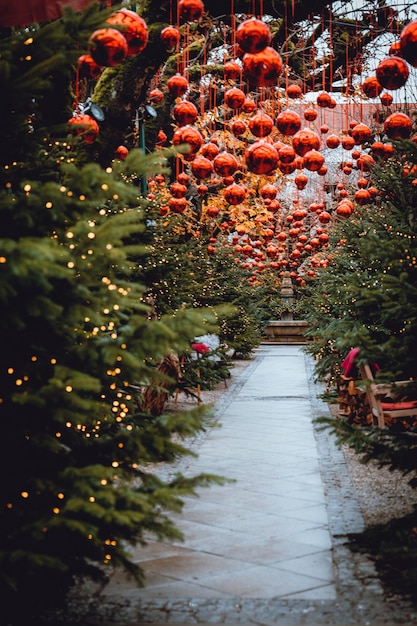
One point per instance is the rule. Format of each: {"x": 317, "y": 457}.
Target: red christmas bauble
{"x": 361, "y": 133}
{"x": 408, "y": 43}
{"x": 261, "y": 124}
{"x": 371, "y": 87}
{"x": 392, "y": 73}
{"x": 209, "y": 150}
{"x": 134, "y": 30}
{"x": 232, "y": 70}
{"x": 234, "y": 194}
{"x": 107, "y": 46}
{"x": 268, "y": 191}
{"x": 348, "y": 142}
{"x": 234, "y": 98}
{"x": 323, "y": 99}
{"x": 190, "y": 136}
{"x": 190, "y": 10}
{"x": 170, "y": 36}
{"x": 185, "y": 113}
{"x": 287, "y": 168}
{"x": 362, "y": 197}
{"x": 87, "y": 67}
{"x": 177, "y": 205}
{"x": 288, "y": 122}
{"x": 324, "y": 217}
{"x": 264, "y": 68}
{"x": 294, "y": 91}
{"x": 386, "y": 99}
{"x": 178, "y": 190}
{"x": 121, "y": 152}
{"x": 177, "y": 85}
{"x": 183, "y": 178}
{"x": 86, "y": 126}
{"x": 238, "y": 127}
{"x": 365, "y": 163}
{"x": 253, "y": 36}
{"x": 310, "y": 114}
{"x": 286, "y": 154}
{"x": 313, "y": 160}
{"x": 304, "y": 141}
{"x": 398, "y": 126}
{"x": 261, "y": 158}
{"x": 249, "y": 105}
{"x": 202, "y": 167}
{"x": 395, "y": 49}
{"x": 301, "y": 181}
{"x": 225, "y": 164}
{"x": 156, "y": 95}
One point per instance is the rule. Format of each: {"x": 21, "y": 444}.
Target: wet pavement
{"x": 271, "y": 547}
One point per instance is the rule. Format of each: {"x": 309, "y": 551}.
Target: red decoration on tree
{"x": 121, "y": 152}
{"x": 362, "y": 197}
{"x": 286, "y": 154}
{"x": 398, "y": 126}
{"x": 232, "y": 70}
{"x": 392, "y": 73}
{"x": 177, "y": 189}
{"x": 348, "y": 142}
{"x": 190, "y": 136}
{"x": 85, "y": 126}
{"x": 313, "y": 160}
{"x": 156, "y": 96}
{"x": 261, "y": 124}
{"x": 107, "y": 46}
{"x": 371, "y": 87}
{"x": 268, "y": 191}
{"x": 333, "y": 141}
{"x": 323, "y": 99}
{"x": 288, "y": 122}
{"x": 304, "y": 141}
{"x": 264, "y": 68}
{"x": 177, "y": 85}
{"x": 88, "y": 68}
{"x": 238, "y": 127}
{"x": 210, "y": 150}
{"x": 310, "y": 114}
{"x": 294, "y": 91}
{"x": 361, "y": 133}
{"x": 134, "y": 30}
{"x": 202, "y": 167}
{"x": 177, "y": 205}
{"x": 386, "y": 99}
{"x": 225, "y": 164}
{"x": 190, "y": 10}
{"x": 253, "y": 36}
{"x": 301, "y": 181}
{"x": 234, "y": 98}
{"x": 365, "y": 163}
{"x": 261, "y": 158}
{"x": 408, "y": 43}
{"x": 185, "y": 113}
{"x": 249, "y": 105}
{"x": 234, "y": 194}
{"x": 170, "y": 36}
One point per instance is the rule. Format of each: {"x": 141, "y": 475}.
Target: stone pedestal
{"x": 285, "y": 331}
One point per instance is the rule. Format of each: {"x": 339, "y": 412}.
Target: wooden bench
{"x": 376, "y": 393}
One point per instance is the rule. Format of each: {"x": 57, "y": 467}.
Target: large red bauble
{"x": 134, "y": 30}
{"x": 261, "y": 124}
{"x": 232, "y": 70}
{"x": 209, "y": 150}
{"x": 87, "y": 67}
{"x": 333, "y": 141}
{"x": 234, "y": 194}
{"x": 261, "y": 158}
{"x": 170, "y": 36}
{"x": 225, "y": 164}
{"x": 398, "y": 126}
{"x": 234, "y": 98}
{"x": 362, "y": 197}
{"x": 190, "y": 10}
{"x": 313, "y": 160}
{"x": 238, "y": 127}
{"x": 304, "y": 141}
{"x": 287, "y": 168}
{"x": 361, "y": 133}
{"x": 107, "y": 46}
{"x": 190, "y": 136}
{"x": 202, "y": 167}
{"x": 253, "y": 36}
{"x": 323, "y": 99}
{"x": 185, "y": 112}
{"x": 177, "y": 85}
{"x": 408, "y": 43}
{"x": 264, "y": 68}
{"x": 288, "y": 122}
{"x": 392, "y": 73}
{"x": 371, "y": 87}
{"x": 86, "y": 126}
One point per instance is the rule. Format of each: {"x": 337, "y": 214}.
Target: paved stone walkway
{"x": 270, "y": 548}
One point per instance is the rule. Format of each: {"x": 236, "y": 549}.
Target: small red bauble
{"x": 361, "y": 133}
{"x": 177, "y": 85}
{"x": 121, "y": 152}
{"x": 86, "y": 126}
{"x": 178, "y": 190}
{"x": 371, "y": 87}
{"x": 286, "y": 154}
{"x": 333, "y": 141}
{"x": 324, "y": 129}
{"x": 348, "y": 142}
{"x": 238, "y": 127}
{"x": 287, "y": 168}
{"x": 87, "y": 67}
{"x": 262, "y": 158}
{"x": 185, "y": 113}
{"x": 261, "y": 124}
{"x": 183, "y": 178}
{"x": 209, "y": 150}
{"x": 225, "y": 164}
{"x": 323, "y": 99}
{"x": 365, "y": 163}
{"x": 392, "y": 73}
{"x": 202, "y": 167}
{"x": 190, "y": 10}
{"x": 134, "y": 30}
{"x": 107, "y": 46}
{"x": 268, "y": 192}
{"x": 294, "y": 91}
{"x": 232, "y": 70}
{"x": 234, "y": 98}
{"x": 324, "y": 217}
{"x": 310, "y": 114}
{"x": 398, "y": 126}
{"x": 408, "y": 43}
{"x": 234, "y": 194}
{"x": 386, "y": 99}
{"x": 313, "y": 160}
{"x": 304, "y": 141}
{"x": 395, "y": 49}
{"x": 362, "y": 197}
{"x": 288, "y": 122}
{"x": 249, "y": 105}
{"x": 253, "y": 36}
{"x": 156, "y": 96}
{"x": 190, "y": 136}
{"x": 264, "y": 68}
{"x": 170, "y": 36}
{"x": 177, "y": 205}
{"x": 301, "y": 181}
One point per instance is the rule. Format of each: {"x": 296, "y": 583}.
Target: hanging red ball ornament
{"x": 234, "y": 98}
{"x": 190, "y": 136}
{"x": 371, "y": 87}
{"x": 185, "y": 113}
{"x": 313, "y": 160}
{"x": 294, "y": 91}
{"x": 210, "y": 150}
{"x": 225, "y": 164}
{"x": 398, "y": 126}
{"x": 177, "y": 205}
{"x": 365, "y": 163}
{"x": 232, "y": 70}
{"x": 333, "y": 141}
{"x": 156, "y": 96}
{"x": 348, "y": 142}
{"x": 301, "y": 181}
{"x": 386, "y": 99}
{"x": 261, "y": 158}
{"x": 234, "y": 194}
{"x": 324, "y": 217}
{"x": 287, "y": 168}
{"x": 190, "y": 10}
{"x": 238, "y": 127}
{"x": 107, "y": 46}
{"x": 310, "y": 114}
{"x": 264, "y": 68}
{"x": 177, "y": 85}
{"x": 395, "y": 49}
{"x": 362, "y": 197}
{"x": 183, "y": 178}
{"x": 408, "y": 43}
{"x": 249, "y": 105}
{"x": 178, "y": 190}
{"x": 86, "y": 126}
{"x": 261, "y": 124}
{"x": 288, "y": 122}
{"x": 253, "y": 36}
{"x": 323, "y": 99}
{"x": 121, "y": 153}
{"x": 170, "y": 36}
{"x": 361, "y": 133}
{"x": 88, "y": 68}
{"x": 134, "y": 29}
{"x": 286, "y": 154}
{"x": 202, "y": 167}
{"x": 304, "y": 141}
{"x": 392, "y": 73}
{"x": 268, "y": 191}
